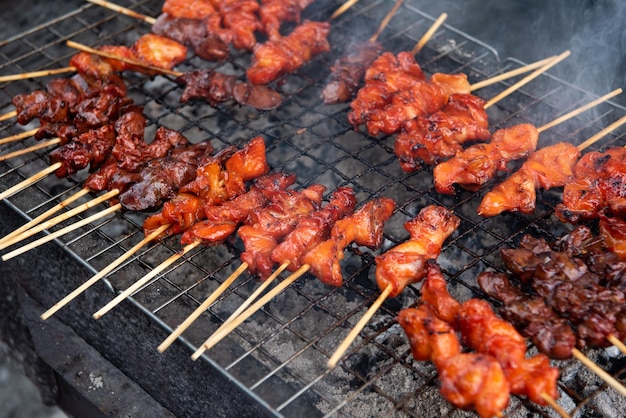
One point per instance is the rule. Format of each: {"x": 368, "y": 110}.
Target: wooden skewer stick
{"x": 225, "y": 329}
{"x": 8, "y": 115}
{"x": 579, "y": 110}
{"x": 45, "y": 215}
{"x": 58, "y": 219}
{"x": 32, "y": 148}
{"x": 343, "y": 8}
{"x": 245, "y": 304}
{"x": 527, "y": 79}
{"x": 136, "y": 63}
{"x": 70, "y": 297}
{"x": 602, "y": 133}
{"x": 511, "y": 74}
{"x": 61, "y": 232}
{"x": 617, "y": 343}
{"x": 18, "y": 137}
{"x": 35, "y": 74}
{"x": 386, "y": 20}
{"x": 202, "y": 308}
{"x": 145, "y": 279}
{"x": 558, "y": 408}
{"x": 429, "y": 34}
{"x": 610, "y": 380}
{"x": 123, "y": 11}
{"x": 334, "y": 359}
{"x": 29, "y": 181}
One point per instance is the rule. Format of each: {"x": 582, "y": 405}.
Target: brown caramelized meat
{"x": 218, "y": 179}
{"x": 406, "y": 263}
{"x": 550, "y": 333}
{"x": 269, "y": 225}
{"x": 422, "y": 99}
{"x": 193, "y": 33}
{"x": 89, "y": 148}
{"x": 599, "y": 184}
{"x": 387, "y": 75}
{"x": 364, "y": 227}
{"x": 549, "y": 167}
{"x": 286, "y": 54}
{"x": 347, "y": 72}
{"x": 441, "y": 135}
{"x": 215, "y": 88}
{"x": 482, "y": 330}
{"x": 222, "y": 219}
{"x": 468, "y": 380}
{"x": 313, "y": 229}
{"x": 613, "y": 231}
{"x": 159, "y": 179}
{"x": 474, "y": 166}
{"x": 274, "y": 12}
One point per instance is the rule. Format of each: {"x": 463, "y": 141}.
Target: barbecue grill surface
{"x": 275, "y": 363}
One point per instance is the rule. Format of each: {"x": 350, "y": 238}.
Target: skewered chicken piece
{"x": 406, "y": 263}
{"x": 549, "y": 167}
{"x": 267, "y": 227}
{"x": 286, "y": 54}
{"x": 598, "y": 185}
{"x": 364, "y": 227}
{"x": 483, "y": 331}
{"x": 468, "y": 380}
{"x": 552, "y": 166}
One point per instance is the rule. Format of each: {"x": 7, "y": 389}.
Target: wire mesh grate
{"x": 280, "y": 354}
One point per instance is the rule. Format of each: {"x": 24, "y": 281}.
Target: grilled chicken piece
{"x": 364, "y": 227}
{"x": 549, "y": 167}
{"x": 313, "y": 229}
{"x": 406, "y": 263}
{"x": 441, "y": 135}
{"x": 286, "y": 54}
{"x": 474, "y": 166}
{"x": 468, "y": 380}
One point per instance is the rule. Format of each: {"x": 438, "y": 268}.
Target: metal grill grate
{"x": 280, "y": 353}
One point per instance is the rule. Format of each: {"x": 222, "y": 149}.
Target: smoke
{"x": 533, "y": 29}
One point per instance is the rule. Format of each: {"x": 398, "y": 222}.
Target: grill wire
{"x": 280, "y": 353}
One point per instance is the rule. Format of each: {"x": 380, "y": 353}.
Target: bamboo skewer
{"x": 602, "y": 133}
{"x": 202, "y": 308}
{"x": 58, "y": 219}
{"x": 145, "y": 279}
{"x": 246, "y": 303}
{"x": 579, "y": 110}
{"x": 227, "y": 328}
{"x": 8, "y": 115}
{"x": 67, "y": 299}
{"x": 617, "y": 343}
{"x": 45, "y": 215}
{"x": 60, "y": 232}
{"x": 429, "y": 33}
{"x": 528, "y": 78}
{"x": 343, "y": 8}
{"x": 610, "y": 380}
{"x": 124, "y": 11}
{"x": 386, "y": 20}
{"x": 29, "y": 181}
{"x": 32, "y": 148}
{"x": 18, "y": 137}
{"x": 34, "y": 74}
{"x": 136, "y": 63}
{"x": 334, "y": 359}
{"x": 511, "y": 74}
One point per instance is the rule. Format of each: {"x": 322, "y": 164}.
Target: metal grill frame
{"x": 378, "y": 375}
